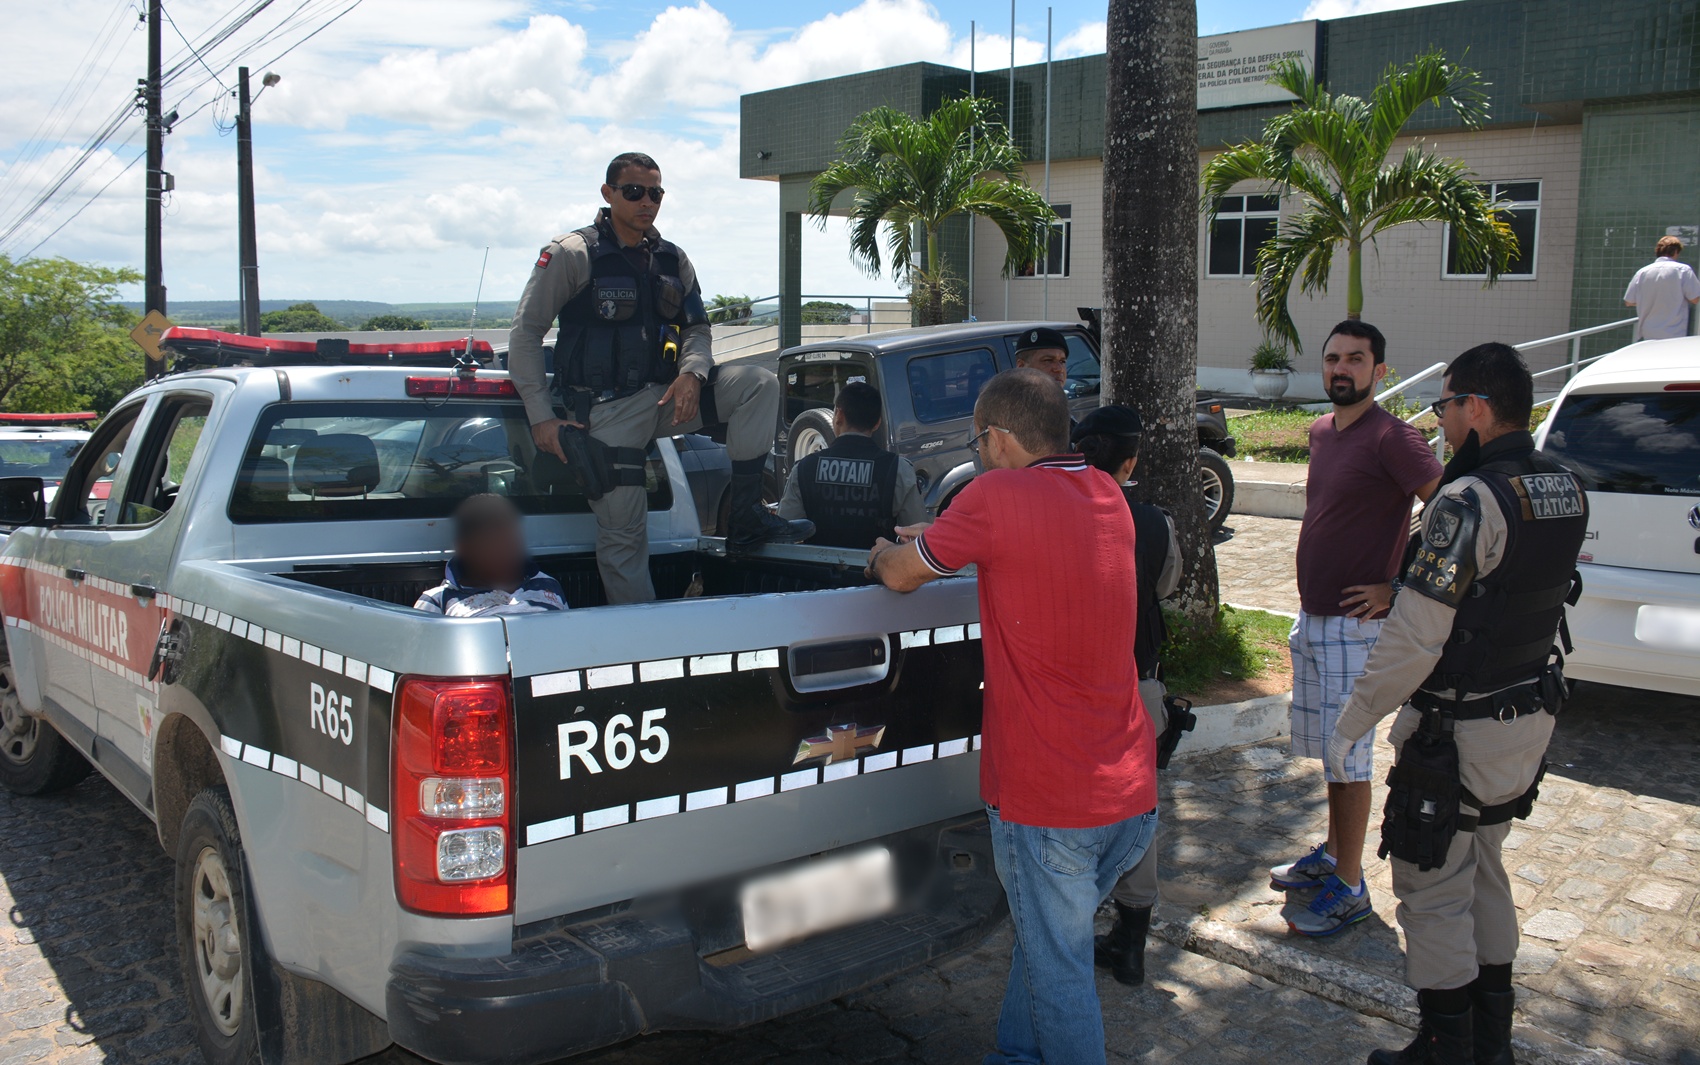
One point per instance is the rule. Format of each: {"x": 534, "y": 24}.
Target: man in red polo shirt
{"x": 1068, "y": 767}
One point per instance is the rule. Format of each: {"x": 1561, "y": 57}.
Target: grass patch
{"x": 1273, "y": 435}
{"x": 1246, "y": 644}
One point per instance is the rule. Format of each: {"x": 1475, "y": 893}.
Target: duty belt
{"x": 1505, "y": 706}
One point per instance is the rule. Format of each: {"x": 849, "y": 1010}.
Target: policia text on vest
{"x": 855, "y": 492}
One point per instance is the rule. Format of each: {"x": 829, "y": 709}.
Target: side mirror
{"x": 22, "y": 501}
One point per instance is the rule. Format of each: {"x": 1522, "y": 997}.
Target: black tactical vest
{"x": 848, "y": 491}
{"x": 610, "y": 340}
{"x": 1507, "y": 623}
{"x": 1150, "y": 551}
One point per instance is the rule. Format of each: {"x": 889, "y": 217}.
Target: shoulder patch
{"x": 543, "y": 259}
{"x": 1444, "y": 565}
{"x": 1544, "y": 496}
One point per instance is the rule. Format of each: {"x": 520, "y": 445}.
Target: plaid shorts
{"x": 1328, "y": 657}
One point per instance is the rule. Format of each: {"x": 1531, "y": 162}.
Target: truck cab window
{"x": 151, "y": 493}
{"x": 87, "y": 489}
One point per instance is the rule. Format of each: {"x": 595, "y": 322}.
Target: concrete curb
{"x": 1268, "y": 499}
{"x": 1237, "y": 724}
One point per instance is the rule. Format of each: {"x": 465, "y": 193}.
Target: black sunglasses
{"x": 635, "y": 192}
{"x": 1439, "y": 405}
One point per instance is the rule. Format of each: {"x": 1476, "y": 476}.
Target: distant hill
{"x": 352, "y": 313}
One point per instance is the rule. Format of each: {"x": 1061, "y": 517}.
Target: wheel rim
{"x": 1210, "y": 485}
{"x": 809, "y": 441}
{"x": 218, "y": 942}
{"x": 19, "y": 731}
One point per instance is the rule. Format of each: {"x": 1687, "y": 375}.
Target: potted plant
{"x": 1270, "y": 369}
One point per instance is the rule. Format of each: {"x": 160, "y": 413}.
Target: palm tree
{"x": 727, "y": 308}
{"x": 1332, "y": 150}
{"x": 1150, "y": 326}
{"x": 910, "y": 173}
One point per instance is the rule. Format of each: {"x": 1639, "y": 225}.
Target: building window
{"x": 1243, "y": 224}
{"x": 1524, "y": 217}
{"x": 1056, "y": 254}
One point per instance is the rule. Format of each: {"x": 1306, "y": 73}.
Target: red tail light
{"x": 453, "y": 799}
{"x": 477, "y": 387}
{"x": 1683, "y": 386}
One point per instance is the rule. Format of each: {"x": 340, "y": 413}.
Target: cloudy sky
{"x": 408, "y": 135}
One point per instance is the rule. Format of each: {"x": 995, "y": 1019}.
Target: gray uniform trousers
{"x": 745, "y": 397}
{"x": 1138, "y": 886}
{"x": 1461, "y": 916}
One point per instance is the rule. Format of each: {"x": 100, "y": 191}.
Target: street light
{"x": 247, "y": 243}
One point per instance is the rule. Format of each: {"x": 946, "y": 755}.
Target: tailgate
{"x": 670, "y": 743}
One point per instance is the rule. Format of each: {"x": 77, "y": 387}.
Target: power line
{"x": 86, "y": 205}
{"x": 166, "y": 11}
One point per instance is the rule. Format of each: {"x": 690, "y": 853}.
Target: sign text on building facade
{"x": 1233, "y": 68}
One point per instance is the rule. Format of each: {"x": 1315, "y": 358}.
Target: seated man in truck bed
{"x": 491, "y": 573}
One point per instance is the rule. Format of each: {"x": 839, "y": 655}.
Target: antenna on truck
{"x": 467, "y": 364}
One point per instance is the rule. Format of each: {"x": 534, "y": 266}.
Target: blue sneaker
{"x": 1333, "y": 910}
{"x": 1311, "y": 871}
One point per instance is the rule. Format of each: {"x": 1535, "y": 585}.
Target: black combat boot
{"x": 1122, "y": 949}
{"x": 1442, "y": 1039}
{"x": 752, "y": 524}
{"x": 1492, "y": 1025}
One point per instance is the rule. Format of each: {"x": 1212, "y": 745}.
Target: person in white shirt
{"x": 491, "y": 572}
{"x": 1661, "y": 291}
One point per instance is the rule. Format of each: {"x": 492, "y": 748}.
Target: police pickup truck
{"x": 499, "y": 839}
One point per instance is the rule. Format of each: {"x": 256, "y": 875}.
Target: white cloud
{"x": 1326, "y": 9}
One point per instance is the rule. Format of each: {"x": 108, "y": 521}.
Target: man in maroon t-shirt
{"x": 1365, "y": 465}
{"x": 1068, "y": 766}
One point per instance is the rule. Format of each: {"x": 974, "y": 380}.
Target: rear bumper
{"x": 1603, "y": 624}
{"x": 572, "y": 986}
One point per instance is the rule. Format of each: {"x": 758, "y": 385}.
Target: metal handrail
{"x": 1409, "y": 381}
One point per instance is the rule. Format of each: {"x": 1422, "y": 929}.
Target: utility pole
{"x": 153, "y": 281}
{"x": 248, "y": 249}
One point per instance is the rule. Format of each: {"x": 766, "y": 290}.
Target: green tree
{"x": 386, "y": 322}
{"x": 298, "y": 318}
{"x": 1332, "y": 150}
{"x": 826, "y": 312}
{"x": 64, "y": 337}
{"x": 728, "y": 308}
{"x": 910, "y": 174}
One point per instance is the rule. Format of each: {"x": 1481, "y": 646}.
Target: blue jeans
{"x": 1055, "y": 879}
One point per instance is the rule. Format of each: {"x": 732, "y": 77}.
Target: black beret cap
{"x": 1108, "y": 421}
{"x": 1040, "y": 337}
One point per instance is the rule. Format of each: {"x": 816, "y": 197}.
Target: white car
{"x": 1629, "y": 426}
{"x": 40, "y": 445}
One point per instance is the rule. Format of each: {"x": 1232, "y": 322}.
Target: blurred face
{"x": 1053, "y": 361}
{"x": 636, "y": 215}
{"x": 1349, "y": 370}
{"x": 493, "y": 556}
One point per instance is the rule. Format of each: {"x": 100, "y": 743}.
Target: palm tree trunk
{"x": 935, "y": 291}
{"x": 1354, "y": 279}
{"x": 1151, "y": 268}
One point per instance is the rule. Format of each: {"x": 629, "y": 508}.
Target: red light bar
{"x": 1683, "y": 386}
{"x": 454, "y": 386}
{"x": 9, "y": 418}
{"x": 187, "y": 339}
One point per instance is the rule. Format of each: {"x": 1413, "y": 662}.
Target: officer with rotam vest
{"x": 633, "y": 363}
{"x": 1470, "y": 653}
{"x": 854, "y": 491}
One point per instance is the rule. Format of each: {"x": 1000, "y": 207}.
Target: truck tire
{"x": 1216, "y": 482}
{"x": 810, "y": 432}
{"x": 34, "y": 758}
{"x": 218, "y": 947}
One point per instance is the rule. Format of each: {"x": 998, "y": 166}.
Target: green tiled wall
{"x": 1640, "y": 174}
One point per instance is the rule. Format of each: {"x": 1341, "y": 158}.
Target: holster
{"x": 1181, "y": 721}
{"x": 593, "y": 468}
{"x": 1424, "y": 796}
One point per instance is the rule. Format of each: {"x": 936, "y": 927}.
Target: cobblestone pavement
{"x": 1605, "y": 873}
{"x": 1255, "y": 562}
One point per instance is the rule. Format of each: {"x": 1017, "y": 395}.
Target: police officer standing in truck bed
{"x": 854, "y": 491}
{"x": 632, "y": 364}
{"x": 1469, "y": 651}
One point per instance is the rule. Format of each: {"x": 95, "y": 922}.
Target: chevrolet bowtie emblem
{"x": 841, "y": 742}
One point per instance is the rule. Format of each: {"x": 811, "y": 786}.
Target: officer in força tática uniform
{"x": 854, "y": 491}
{"x": 1469, "y": 651}
{"x": 1045, "y": 350}
{"x": 632, "y": 364}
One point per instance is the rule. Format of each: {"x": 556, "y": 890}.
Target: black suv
{"x": 929, "y": 378}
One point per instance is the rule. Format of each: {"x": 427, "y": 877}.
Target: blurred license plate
{"x": 1673, "y": 627}
{"x": 815, "y": 897}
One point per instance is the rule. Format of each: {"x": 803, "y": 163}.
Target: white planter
{"x": 1270, "y": 384}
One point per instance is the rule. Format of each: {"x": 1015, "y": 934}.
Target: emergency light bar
{"x": 198, "y": 348}
{"x": 9, "y": 418}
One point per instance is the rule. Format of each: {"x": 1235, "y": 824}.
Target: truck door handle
{"x": 144, "y": 591}
{"x": 75, "y": 574}
{"x": 828, "y": 665}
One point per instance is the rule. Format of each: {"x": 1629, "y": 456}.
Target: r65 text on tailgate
{"x": 619, "y": 745}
